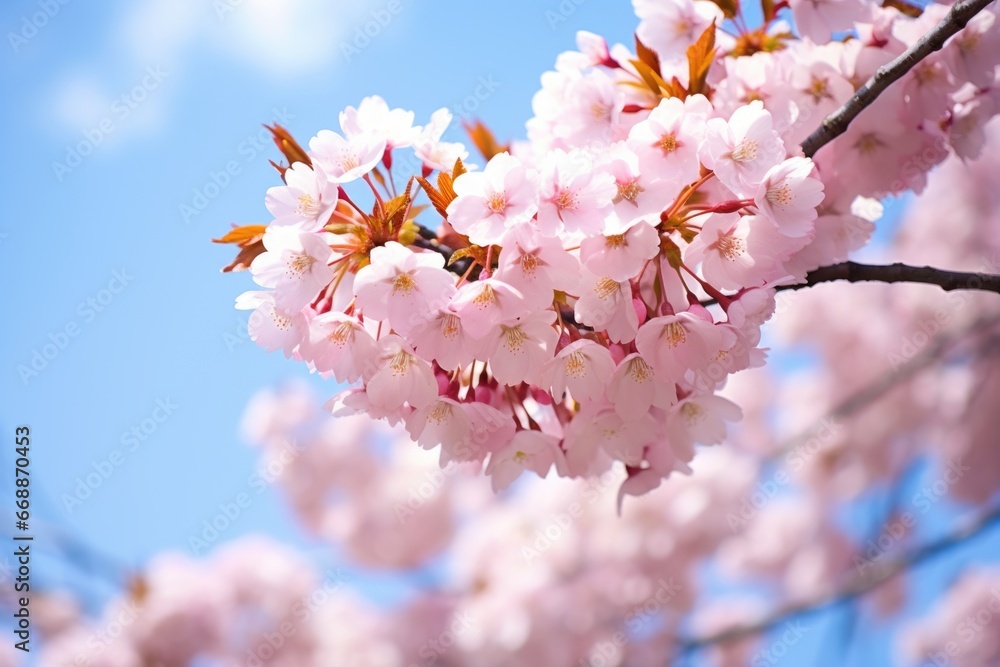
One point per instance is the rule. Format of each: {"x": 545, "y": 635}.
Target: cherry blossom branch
{"x": 857, "y": 587}
{"x": 875, "y": 390}
{"x": 836, "y": 123}
{"x": 899, "y": 273}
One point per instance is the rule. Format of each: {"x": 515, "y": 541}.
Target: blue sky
{"x": 120, "y": 121}
{"x": 134, "y": 131}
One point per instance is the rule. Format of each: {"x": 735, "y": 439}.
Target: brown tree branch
{"x": 899, "y": 273}
{"x": 856, "y": 587}
{"x": 944, "y": 347}
{"x": 836, "y": 123}
{"x": 854, "y": 272}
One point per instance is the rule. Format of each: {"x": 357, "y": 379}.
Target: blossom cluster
{"x": 561, "y": 315}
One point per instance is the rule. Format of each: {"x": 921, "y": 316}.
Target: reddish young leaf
{"x": 700, "y": 57}
{"x": 648, "y": 56}
{"x": 730, "y": 8}
{"x": 242, "y": 235}
{"x": 483, "y": 139}
{"x": 288, "y": 146}
{"x": 249, "y": 239}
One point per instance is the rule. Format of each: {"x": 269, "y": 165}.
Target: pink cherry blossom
{"x": 491, "y": 429}
{"x": 788, "y": 196}
{"x": 536, "y": 265}
{"x": 634, "y": 388}
{"x": 595, "y": 117}
{"x": 740, "y": 251}
{"x": 573, "y": 196}
{"x": 742, "y": 150}
{"x": 373, "y": 117}
{"x": 816, "y": 19}
{"x": 402, "y": 377}
{"x": 434, "y": 153}
{"x": 640, "y": 196}
{"x": 666, "y": 142}
{"x": 593, "y": 47}
{"x": 606, "y": 305}
{"x": 484, "y": 304}
{"x": 491, "y": 201}
{"x": 700, "y": 418}
{"x": 578, "y": 326}
{"x": 583, "y": 367}
{"x": 608, "y": 433}
{"x": 271, "y": 326}
{"x": 346, "y": 159}
{"x": 338, "y": 344}
{"x": 670, "y": 27}
{"x": 443, "y": 338}
{"x": 818, "y": 88}
{"x": 295, "y": 264}
{"x": 443, "y": 421}
{"x": 674, "y": 344}
{"x": 307, "y": 199}
{"x": 518, "y": 351}
{"x": 528, "y": 450}
{"x": 401, "y": 286}
{"x": 620, "y": 256}
{"x": 974, "y": 52}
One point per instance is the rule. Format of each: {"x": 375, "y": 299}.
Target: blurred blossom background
{"x": 133, "y": 135}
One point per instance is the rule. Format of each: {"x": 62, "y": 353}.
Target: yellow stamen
{"x": 692, "y": 412}
{"x": 615, "y": 241}
{"x": 513, "y": 337}
{"x": 440, "y": 412}
{"x": 529, "y": 263}
{"x": 818, "y": 89}
{"x": 605, "y": 287}
{"x": 401, "y": 362}
{"x": 341, "y": 334}
{"x": 868, "y": 143}
{"x": 639, "y": 370}
{"x": 282, "y": 322}
{"x": 780, "y": 194}
{"x": 576, "y": 364}
{"x": 450, "y": 328}
{"x": 497, "y": 202}
{"x": 486, "y": 297}
{"x": 307, "y": 206}
{"x": 675, "y": 334}
{"x": 628, "y": 191}
{"x": 745, "y": 151}
{"x": 298, "y": 264}
{"x": 730, "y": 247}
{"x": 565, "y": 199}
{"x": 403, "y": 283}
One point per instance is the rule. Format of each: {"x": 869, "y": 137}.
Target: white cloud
{"x": 79, "y": 102}
{"x": 280, "y": 38}
{"x": 82, "y": 103}
{"x": 160, "y": 30}
{"x": 285, "y": 39}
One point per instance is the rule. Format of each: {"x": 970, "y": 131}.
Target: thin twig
{"x": 875, "y": 390}
{"x": 899, "y": 273}
{"x": 858, "y": 586}
{"x": 836, "y": 123}
{"x": 854, "y": 272}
